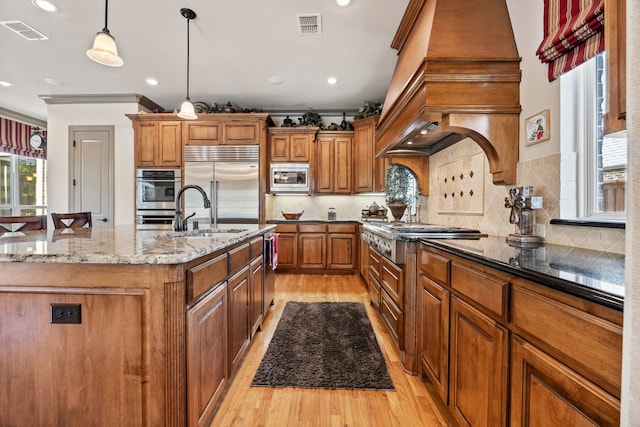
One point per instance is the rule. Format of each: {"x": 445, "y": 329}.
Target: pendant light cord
{"x": 188, "y": 59}
{"x": 106, "y": 14}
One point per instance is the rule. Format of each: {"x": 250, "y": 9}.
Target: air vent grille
{"x": 24, "y": 30}
{"x": 221, "y": 153}
{"x": 309, "y": 24}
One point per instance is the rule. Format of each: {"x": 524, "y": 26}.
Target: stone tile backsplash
{"x": 543, "y": 174}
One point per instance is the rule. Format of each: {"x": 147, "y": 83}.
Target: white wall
{"x": 630, "y": 415}
{"x": 59, "y": 118}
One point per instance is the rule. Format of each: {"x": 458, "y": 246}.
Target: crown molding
{"x": 110, "y": 98}
{"x": 22, "y": 118}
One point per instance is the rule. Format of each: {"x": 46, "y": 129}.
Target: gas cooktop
{"x": 395, "y": 230}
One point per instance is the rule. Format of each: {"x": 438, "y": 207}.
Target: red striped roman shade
{"x": 14, "y": 138}
{"x": 573, "y": 34}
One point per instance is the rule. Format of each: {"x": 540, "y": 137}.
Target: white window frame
{"x": 15, "y": 207}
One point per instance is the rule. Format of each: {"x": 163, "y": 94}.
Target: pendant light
{"x": 104, "y": 50}
{"x": 186, "y": 109}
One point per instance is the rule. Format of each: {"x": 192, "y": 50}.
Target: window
{"x": 600, "y": 161}
{"x": 22, "y": 185}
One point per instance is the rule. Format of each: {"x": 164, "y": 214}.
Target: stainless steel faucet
{"x": 180, "y": 224}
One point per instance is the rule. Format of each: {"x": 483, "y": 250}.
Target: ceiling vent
{"x": 24, "y": 30}
{"x": 309, "y": 24}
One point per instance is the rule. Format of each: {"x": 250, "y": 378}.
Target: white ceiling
{"x": 236, "y": 46}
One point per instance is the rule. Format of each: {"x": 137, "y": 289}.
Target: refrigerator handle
{"x": 213, "y": 212}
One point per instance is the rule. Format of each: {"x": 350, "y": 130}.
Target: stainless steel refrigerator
{"x": 230, "y": 177}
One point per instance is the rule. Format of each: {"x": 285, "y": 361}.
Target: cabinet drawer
{"x": 588, "y": 343}
{"x": 238, "y": 257}
{"x": 488, "y": 291}
{"x": 342, "y": 228}
{"x": 374, "y": 290}
{"x": 435, "y": 266}
{"x": 203, "y": 277}
{"x": 392, "y": 281}
{"x": 257, "y": 246}
{"x": 286, "y": 228}
{"x": 312, "y": 228}
{"x": 393, "y": 317}
{"x": 374, "y": 263}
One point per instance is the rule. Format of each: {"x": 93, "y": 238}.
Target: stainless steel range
{"x": 387, "y": 238}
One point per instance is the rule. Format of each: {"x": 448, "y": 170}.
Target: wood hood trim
{"x": 458, "y": 74}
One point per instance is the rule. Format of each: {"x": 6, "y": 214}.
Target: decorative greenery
{"x": 370, "y": 108}
{"x": 312, "y": 119}
{"x": 398, "y": 186}
{"x": 202, "y": 107}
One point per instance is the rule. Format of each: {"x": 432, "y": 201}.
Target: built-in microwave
{"x": 289, "y": 178}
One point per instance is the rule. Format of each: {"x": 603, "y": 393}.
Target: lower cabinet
{"x": 207, "y": 362}
{"x": 238, "y": 291}
{"x": 433, "y": 341}
{"x": 479, "y": 367}
{"x": 287, "y": 246}
{"x": 256, "y": 279}
{"x": 501, "y": 350}
{"x": 545, "y": 392}
{"x": 312, "y": 250}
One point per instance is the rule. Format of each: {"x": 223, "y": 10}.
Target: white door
{"x": 92, "y": 172}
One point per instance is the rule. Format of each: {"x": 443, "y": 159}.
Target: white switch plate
{"x": 536, "y": 202}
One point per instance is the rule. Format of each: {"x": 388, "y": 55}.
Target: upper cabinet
{"x": 159, "y": 138}
{"x": 333, "y": 166}
{"x": 616, "y": 47}
{"x": 368, "y": 171}
{"x": 291, "y": 144}
{"x": 158, "y": 144}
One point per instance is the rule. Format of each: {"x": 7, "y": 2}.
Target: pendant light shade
{"x": 104, "y": 50}
{"x": 186, "y": 109}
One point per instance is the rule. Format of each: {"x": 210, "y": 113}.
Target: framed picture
{"x": 537, "y": 128}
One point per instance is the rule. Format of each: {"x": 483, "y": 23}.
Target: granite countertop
{"x": 119, "y": 245}
{"x": 594, "y": 275}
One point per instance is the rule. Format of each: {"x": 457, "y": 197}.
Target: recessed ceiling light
{"x": 152, "y": 82}
{"x": 45, "y": 5}
{"x": 5, "y": 84}
{"x": 342, "y": 3}
{"x": 275, "y": 80}
{"x": 409, "y": 142}
{"x": 332, "y": 81}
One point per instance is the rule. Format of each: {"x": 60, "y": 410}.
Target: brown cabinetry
{"x": 519, "y": 353}
{"x": 256, "y": 279}
{"x": 333, "y": 168}
{"x": 207, "y": 368}
{"x": 226, "y": 129}
{"x": 373, "y": 276}
{"x": 478, "y": 367}
{"x": 202, "y": 133}
{"x": 311, "y": 246}
{"x": 238, "y": 292}
{"x": 368, "y": 171}
{"x": 158, "y": 144}
{"x": 291, "y": 144}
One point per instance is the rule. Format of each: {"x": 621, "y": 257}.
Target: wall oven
{"x": 156, "y": 191}
{"x": 289, "y": 178}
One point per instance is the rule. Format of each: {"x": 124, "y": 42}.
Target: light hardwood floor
{"x": 409, "y": 405}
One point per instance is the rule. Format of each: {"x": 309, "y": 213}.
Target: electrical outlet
{"x": 65, "y": 313}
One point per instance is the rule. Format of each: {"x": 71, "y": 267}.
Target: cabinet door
{"x": 380, "y": 170}
{"x": 238, "y": 293}
{"x": 343, "y": 166}
{"x": 341, "y": 253}
{"x": 478, "y": 367}
{"x": 312, "y": 250}
{"x": 615, "y": 35}
{"x": 325, "y": 169}
{"x": 545, "y": 392}
{"x": 299, "y": 148}
{"x": 433, "y": 335}
{"x": 207, "y": 368}
{"x": 170, "y": 144}
{"x": 279, "y": 148}
{"x": 257, "y": 294}
{"x": 203, "y": 133}
{"x": 287, "y": 251}
{"x": 363, "y": 256}
{"x": 146, "y": 143}
{"x": 363, "y": 147}
{"x": 236, "y": 133}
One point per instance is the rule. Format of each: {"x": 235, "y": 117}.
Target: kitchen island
{"x": 118, "y": 326}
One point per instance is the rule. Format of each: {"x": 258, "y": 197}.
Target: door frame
{"x": 110, "y": 129}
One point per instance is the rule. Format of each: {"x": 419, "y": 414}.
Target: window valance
{"x": 573, "y": 34}
{"x": 14, "y": 138}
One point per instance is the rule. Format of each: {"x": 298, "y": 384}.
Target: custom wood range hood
{"x": 457, "y": 76}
